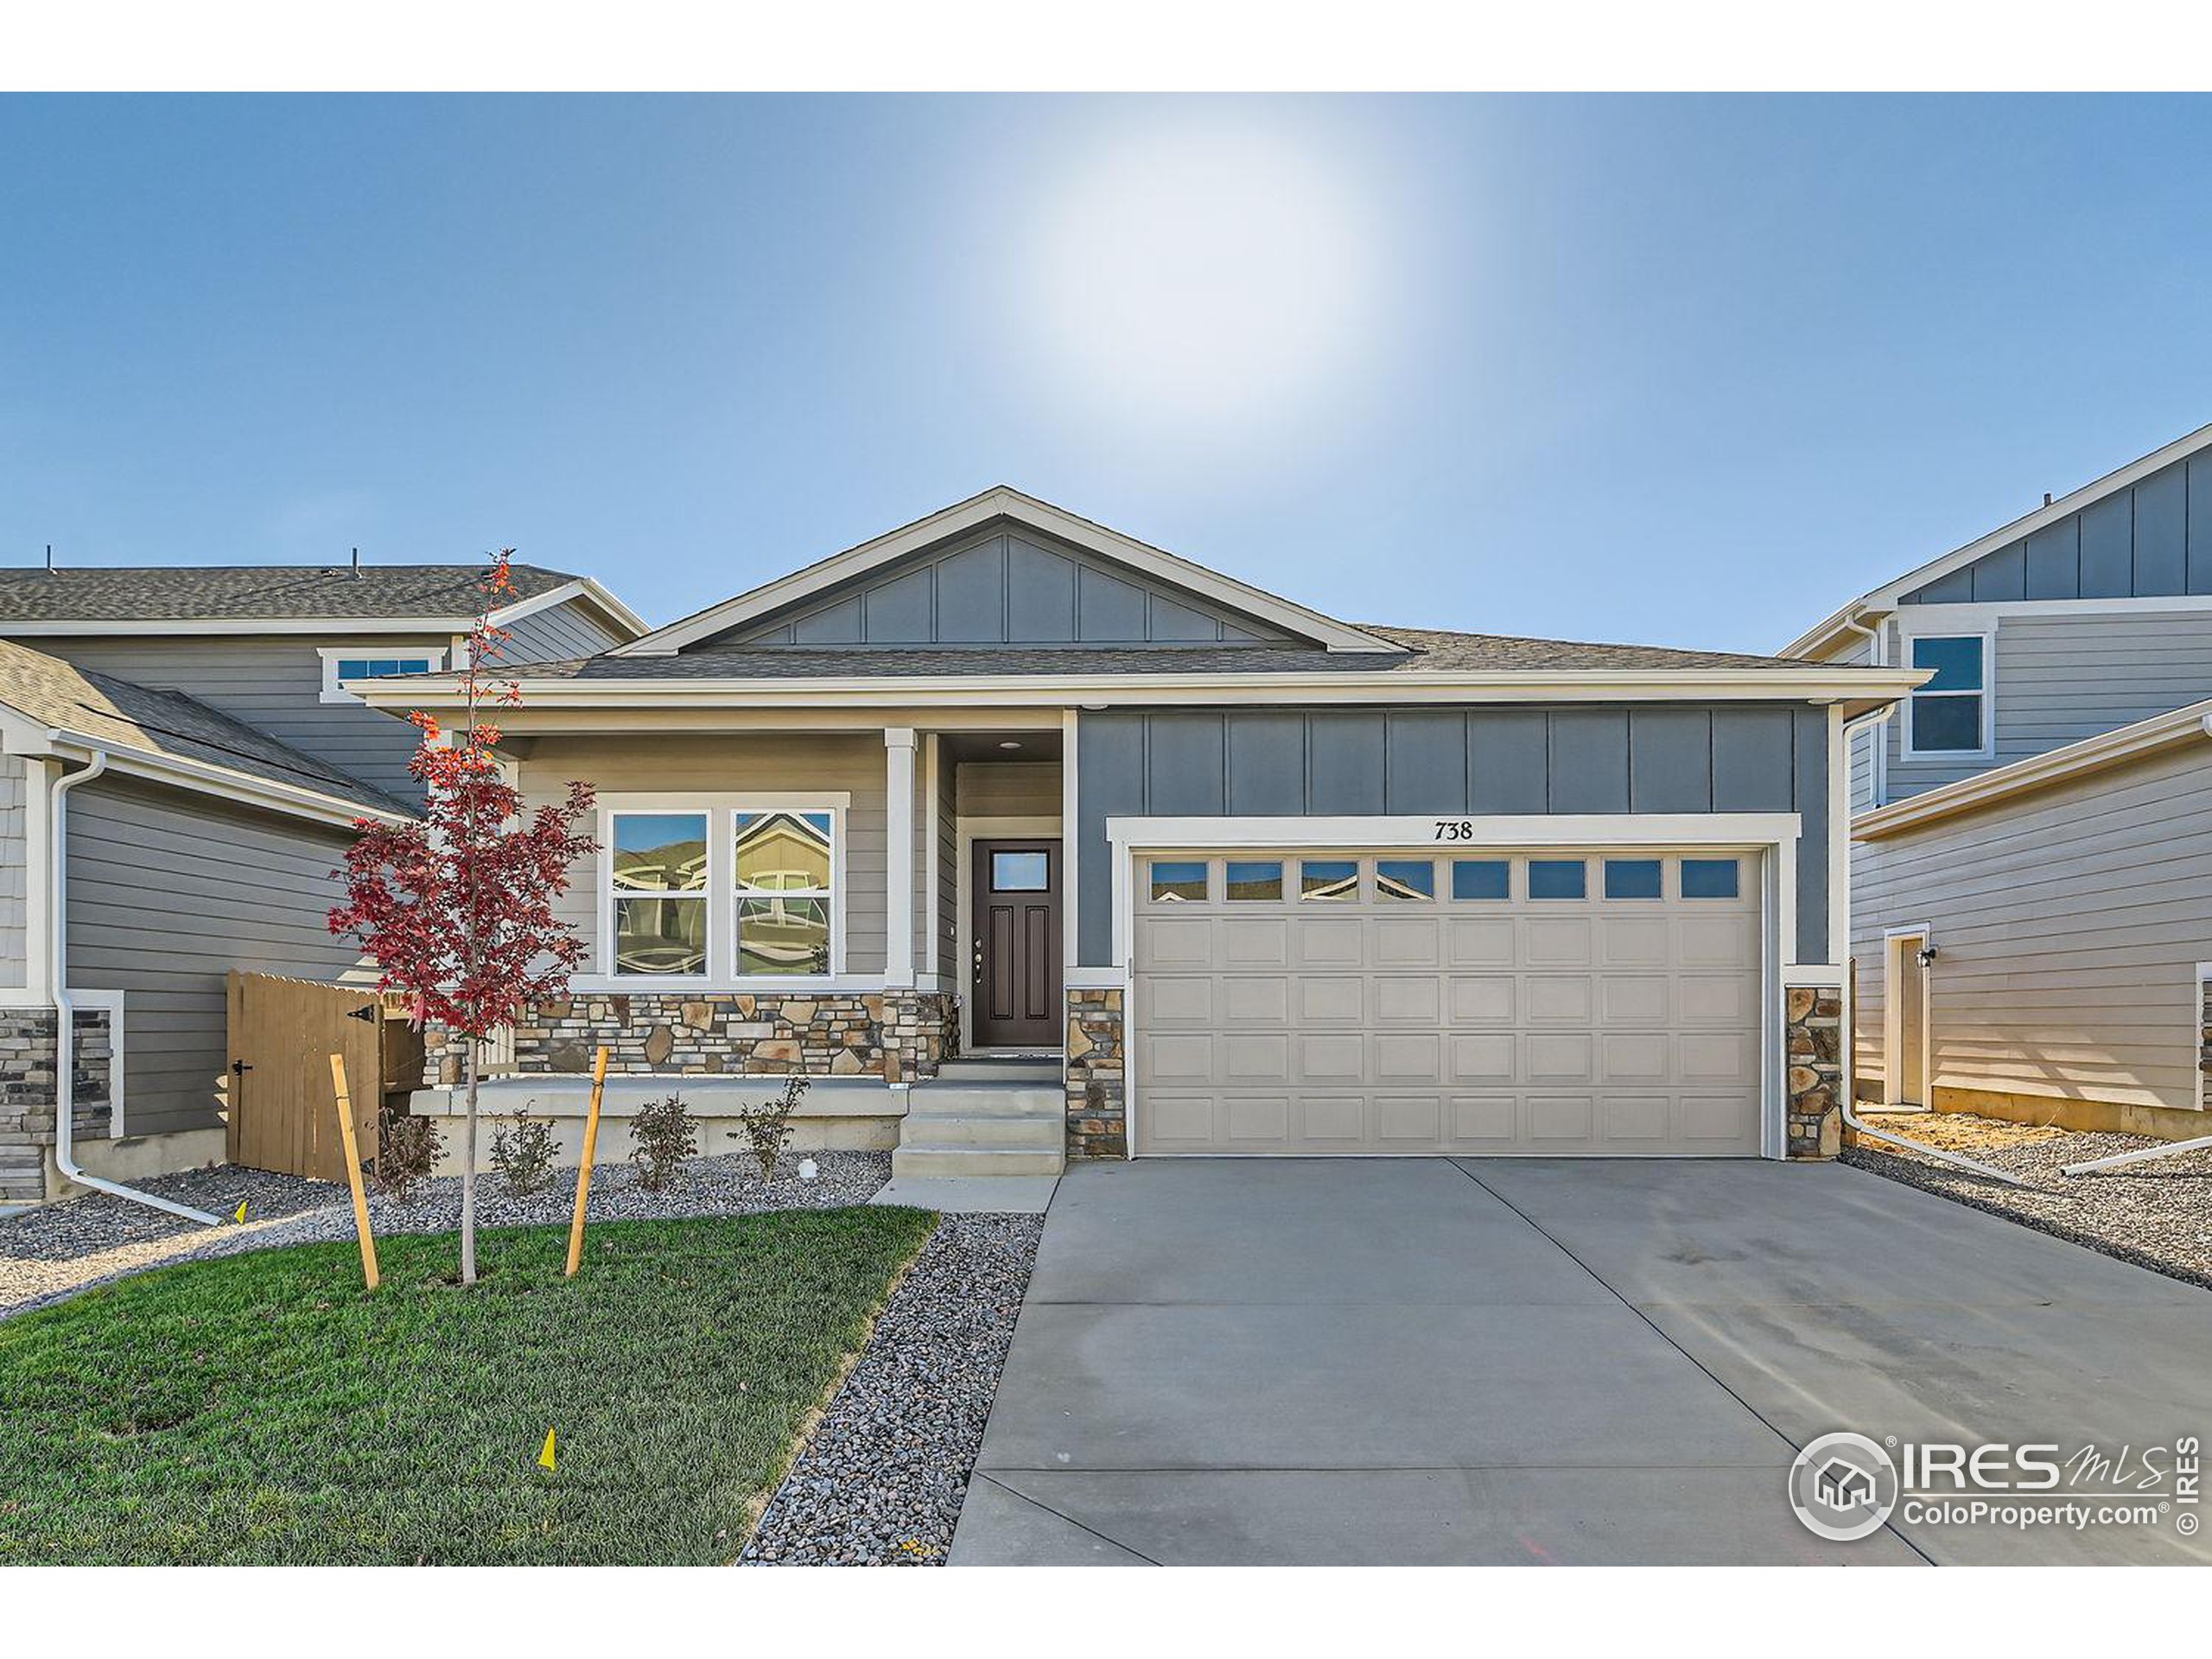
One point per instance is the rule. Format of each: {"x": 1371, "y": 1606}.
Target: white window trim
{"x": 334, "y": 691}
{"x": 1987, "y": 694}
{"x": 721, "y": 897}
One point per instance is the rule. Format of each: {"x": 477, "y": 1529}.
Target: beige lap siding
{"x": 2068, "y": 927}
{"x": 669, "y": 768}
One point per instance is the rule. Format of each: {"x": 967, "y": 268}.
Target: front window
{"x": 784, "y": 864}
{"x": 722, "y": 891}
{"x": 658, "y": 863}
{"x": 1950, "y": 714}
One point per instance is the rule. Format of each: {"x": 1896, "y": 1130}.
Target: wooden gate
{"x": 282, "y": 1032}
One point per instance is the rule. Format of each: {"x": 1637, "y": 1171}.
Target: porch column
{"x": 899, "y": 856}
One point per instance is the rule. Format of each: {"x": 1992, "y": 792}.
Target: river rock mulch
{"x": 881, "y": 1479}
{"x": 59, "y": 1249}
{"x": 2157, "y": 1215}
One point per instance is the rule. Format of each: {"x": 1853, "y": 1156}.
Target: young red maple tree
{"x": 456, "y": 907}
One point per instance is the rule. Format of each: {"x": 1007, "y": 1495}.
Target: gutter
{"x": 65, "y": 1012}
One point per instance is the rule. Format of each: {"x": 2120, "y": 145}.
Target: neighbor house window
{"x": 340, "y": 663}
{"x": 657, "y": 865}
{"x": 1950, "y": 714}
{"x": 784, "y": 865}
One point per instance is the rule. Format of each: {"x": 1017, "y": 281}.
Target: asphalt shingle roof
{"x": 232, "y": 591}
{"x": 109, "y": 711}
{"x": 1432, "y": 651}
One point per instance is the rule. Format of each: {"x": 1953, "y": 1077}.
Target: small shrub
{"x": 407, "y": 1151}
{"x": 766, "y": 1129}
{"x": 662, "y": 1136}
{"x": 523, "y": 1151}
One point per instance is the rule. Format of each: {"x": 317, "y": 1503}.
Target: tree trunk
{"x": 469, "y": 1178}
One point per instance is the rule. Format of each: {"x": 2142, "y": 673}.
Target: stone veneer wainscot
{"x": 1097, "y": 1119}
{"x": 1812, "y": 1037}
{"x": 898, "y": 1036}
{"x": 27, "y": 1093}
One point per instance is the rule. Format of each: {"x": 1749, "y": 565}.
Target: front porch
{"x": 770, "y": 902}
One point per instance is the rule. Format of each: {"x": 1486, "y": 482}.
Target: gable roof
{"x": 1004, "y": 502}
{"x": 85, "y": 710}
{"x": 1837, "y": 625}
{"x": 436, "y": 598}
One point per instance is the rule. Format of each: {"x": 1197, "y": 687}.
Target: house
{"x": 181, "y": 767}
{"x": 2032, "y": 866}
{"x": 1207, "y": 869}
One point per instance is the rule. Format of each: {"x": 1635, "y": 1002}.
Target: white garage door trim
{"x": 1771, "y": 836}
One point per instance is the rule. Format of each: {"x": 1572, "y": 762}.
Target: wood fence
{"x": 282, "y": 1032}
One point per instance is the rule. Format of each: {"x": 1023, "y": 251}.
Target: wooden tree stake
{"x": 583, "y": 1171}
{"x": 353, "y": 1169}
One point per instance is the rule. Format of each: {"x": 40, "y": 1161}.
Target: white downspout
{"x": 1858, "y": 1125}
{"x": 64, "y": 1009}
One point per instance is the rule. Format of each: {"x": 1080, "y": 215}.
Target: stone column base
{"x": 1813, "y": 1046}
{"x": 1098, "y": 1116}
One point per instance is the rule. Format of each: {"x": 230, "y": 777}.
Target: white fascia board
{"x": 201, "y": 778}
{"x": 586, "y": 589}
{"x": 2038, "y": 771}
{"x": 1002, "y": 502}
{"x": 1885, "y": 598}
{"x": 1856, "y": 689}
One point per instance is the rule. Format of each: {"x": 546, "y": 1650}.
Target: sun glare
{"x": 1202, "y": 279}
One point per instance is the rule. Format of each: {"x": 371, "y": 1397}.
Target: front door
{"x": 1014, "y": 978}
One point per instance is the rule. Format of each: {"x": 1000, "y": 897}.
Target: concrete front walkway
{"x": 1433, "y": 1361}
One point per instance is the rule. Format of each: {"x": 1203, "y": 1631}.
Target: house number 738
{"x": 1455, "y": 829}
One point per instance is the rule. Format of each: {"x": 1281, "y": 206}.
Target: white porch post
{"x": 899, "y": 856}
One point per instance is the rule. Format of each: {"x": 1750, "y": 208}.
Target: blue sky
{"x": 1677, "y": 370}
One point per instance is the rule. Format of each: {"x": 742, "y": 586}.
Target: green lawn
{"x": 266, "y": 1408}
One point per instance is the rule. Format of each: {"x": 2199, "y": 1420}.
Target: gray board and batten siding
{"x": 1678, "y": 758}
{"x": 1005, "y": 586}
{"x": 2152, "y": 538}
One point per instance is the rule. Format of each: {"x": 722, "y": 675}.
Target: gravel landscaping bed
{"x": 882, "y": 1480}
{"x": 2156, "y": 1215}
{"x": 58, "y": 1249}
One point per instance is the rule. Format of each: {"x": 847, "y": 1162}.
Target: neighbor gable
{"x": 1006, "y": 586}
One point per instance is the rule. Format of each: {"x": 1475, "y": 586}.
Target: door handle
{"x": 979, "y": 961}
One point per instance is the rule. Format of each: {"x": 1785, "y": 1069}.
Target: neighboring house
{"x": 233, "y": 763}
{"x": 1245, "y": 878}
{"x": 2031, "y": 891}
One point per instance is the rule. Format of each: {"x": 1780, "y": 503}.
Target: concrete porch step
{"x": 982, "y": 1129}
{"x": 1042, "y": 1068}
{"x": 930, "y": 1160}
{"x": 985, "y": 1100}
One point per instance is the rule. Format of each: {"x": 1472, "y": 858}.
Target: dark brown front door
{"x": 1014, "y": 978}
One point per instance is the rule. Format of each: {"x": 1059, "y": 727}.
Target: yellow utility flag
{"x": 241, "y": 1214}
{"x": 545, "y": 1458}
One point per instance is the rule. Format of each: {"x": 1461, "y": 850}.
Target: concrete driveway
{"x": 1433, "y": 1361}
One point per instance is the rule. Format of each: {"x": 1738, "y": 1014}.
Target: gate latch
{"x": 366, "y": 1015}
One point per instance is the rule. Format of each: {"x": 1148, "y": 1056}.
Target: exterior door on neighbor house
{"x": 1014, "y": 978}
{"x": 1905, "y": 1020}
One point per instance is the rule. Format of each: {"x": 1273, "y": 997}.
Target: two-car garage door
{"x": 1553, "y": 1003}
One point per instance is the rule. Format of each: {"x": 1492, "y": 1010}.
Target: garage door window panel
{"x": 1178, "y": 883}
{"x": 1558, "y": 878}
{"x": 1328, "y": 881}
{"x": 1481, "y": 880}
